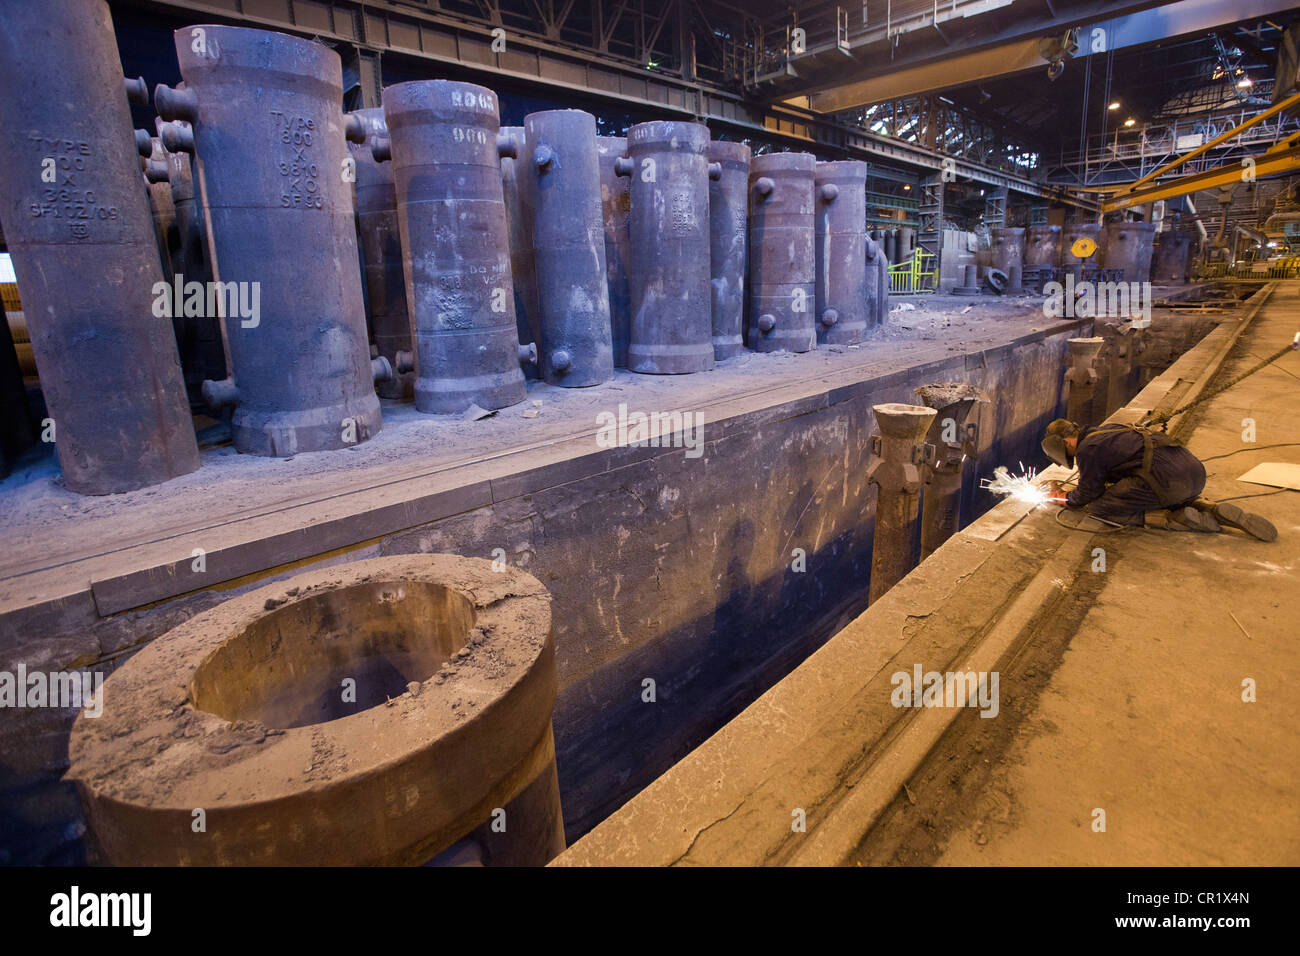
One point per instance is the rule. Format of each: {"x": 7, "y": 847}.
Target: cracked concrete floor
{"x": 1144, "y": 717}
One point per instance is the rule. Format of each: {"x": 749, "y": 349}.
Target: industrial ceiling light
{"x": 1113, "y": 106}
{"x": 1243, "y": 83}
{"x": 907, "y": 187}
{"x": 1130, "y": 121}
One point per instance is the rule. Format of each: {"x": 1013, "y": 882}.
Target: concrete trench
{"x": 641, "y": 532}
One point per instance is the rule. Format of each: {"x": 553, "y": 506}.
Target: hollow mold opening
{"x": 333, "y": 654}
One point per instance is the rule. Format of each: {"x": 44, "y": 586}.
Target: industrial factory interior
{"x": 609, "y": 433}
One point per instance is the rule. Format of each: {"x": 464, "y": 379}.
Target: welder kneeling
{"x": 1130, "y": 475}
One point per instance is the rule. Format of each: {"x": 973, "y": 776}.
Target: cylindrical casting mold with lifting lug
{"x": 569, "y": 242}
{"x": 1043, "y": 246}
{"x": 672, "y": 323}
{"x": 518, "y": 183}
{"x": 616, "y": 205}
{"x": 782, "y": 266}
{"x": 1081, "y": 378}
{"x": 76, "y": 220}
{"x": 1008, "y": 251}
{"x": 898, "y": 470}
{"x": 1129, "y": 247}
{"x": 1083, "y": 267}
{"x": 452, "y": 669}
{"x": 445, "y": 141}
{"x": 1170, "y": 259}
{"x": 728, "y": 245}
{"x": 954, "y": 440}
{"x": 841, "y": 252}
{"x": 379, "y": 237}
{"x": 877, "y": 284}
{"x": 202, "y": 342}
{"x": 269, "y": 138}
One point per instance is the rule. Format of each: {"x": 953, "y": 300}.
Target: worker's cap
{"x": 1054, "y": 441}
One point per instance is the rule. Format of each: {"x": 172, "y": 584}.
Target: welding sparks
{"x": 1021, "y": 487}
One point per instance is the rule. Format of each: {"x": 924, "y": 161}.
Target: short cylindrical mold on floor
{"x": 445, "y": 144}
{"x": 77, "y": 223}
{"x": 569, "y": 244}
{"x": 900, "y": 457}
{"x": 782, "y": 266}
{"x": 841, "y": 260}
{"x": 270, "y": 144}
{"x": 397, "y": 706}
{"x": 672, "y": 325}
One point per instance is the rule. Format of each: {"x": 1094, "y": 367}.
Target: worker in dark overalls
{"x": 1130, "y": 475}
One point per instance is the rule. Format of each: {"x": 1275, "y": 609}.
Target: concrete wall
{"x": 662, "y": 567}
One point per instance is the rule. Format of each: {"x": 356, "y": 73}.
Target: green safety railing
{"x": 918, "y": 273}
{"x": 1278, "y": 269}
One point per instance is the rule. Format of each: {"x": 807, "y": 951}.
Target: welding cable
{"x": 1151, "y": 419}
{"x": 1113, "y": 525}
{"x": 1228, "y": 454}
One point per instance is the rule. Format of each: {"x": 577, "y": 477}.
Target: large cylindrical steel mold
{"x": 672, "y": 324}
{"x": 1129, "y": 247}
{"x": 518, "y": 183}
{"x": 876, "y": 284}
{"x": 162, "y": 207}
{"x": 616, "y": 205}
{"x": 569, "y": 244}
{"x": 1043, "y": 246}
{"x": 1007, "y": 248}
{"x": 77, "y": 224}
{"x": 270, "y": 153}
{"x": 379, "y": 238}
{"x": 1171, "y": 255}
{"x": 729, "y": 245}
{"x": 782, "y": 265}
{"x": 841, "y": 252}
{"x": 1083, "y": 267}
{"x": 456, "y": 247}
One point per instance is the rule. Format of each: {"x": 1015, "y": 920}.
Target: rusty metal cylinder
{"x": 672, "y": 325}
{"x": 518, "y": 183}
{"x": 1083, "y": 267}
{"x": 1043, "y": 246}
{"x": 379, "y": 238}
{"x": 269, "y": 137}
{"x": 1082, "y": 379}
{"x": 841, "y": 252}
{"x": 456, "y": 248}
{"x": 782, "y": 265}
{"x": 1129, "y": 246}
{"x": 1007, "y": 248}
{"x": 569, "y": 243}
{"x": 1171, "y": 255}
{"x": 729, "y": 245}
{"x": 77, "y": 224}
{"x": 616, "y": 205}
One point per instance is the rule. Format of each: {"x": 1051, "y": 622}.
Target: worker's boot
{"x": 1229, "y": 514}
{"x": 1185, "y": 519}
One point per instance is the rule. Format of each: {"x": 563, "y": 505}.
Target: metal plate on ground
{"x": 1276, "y": 474}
